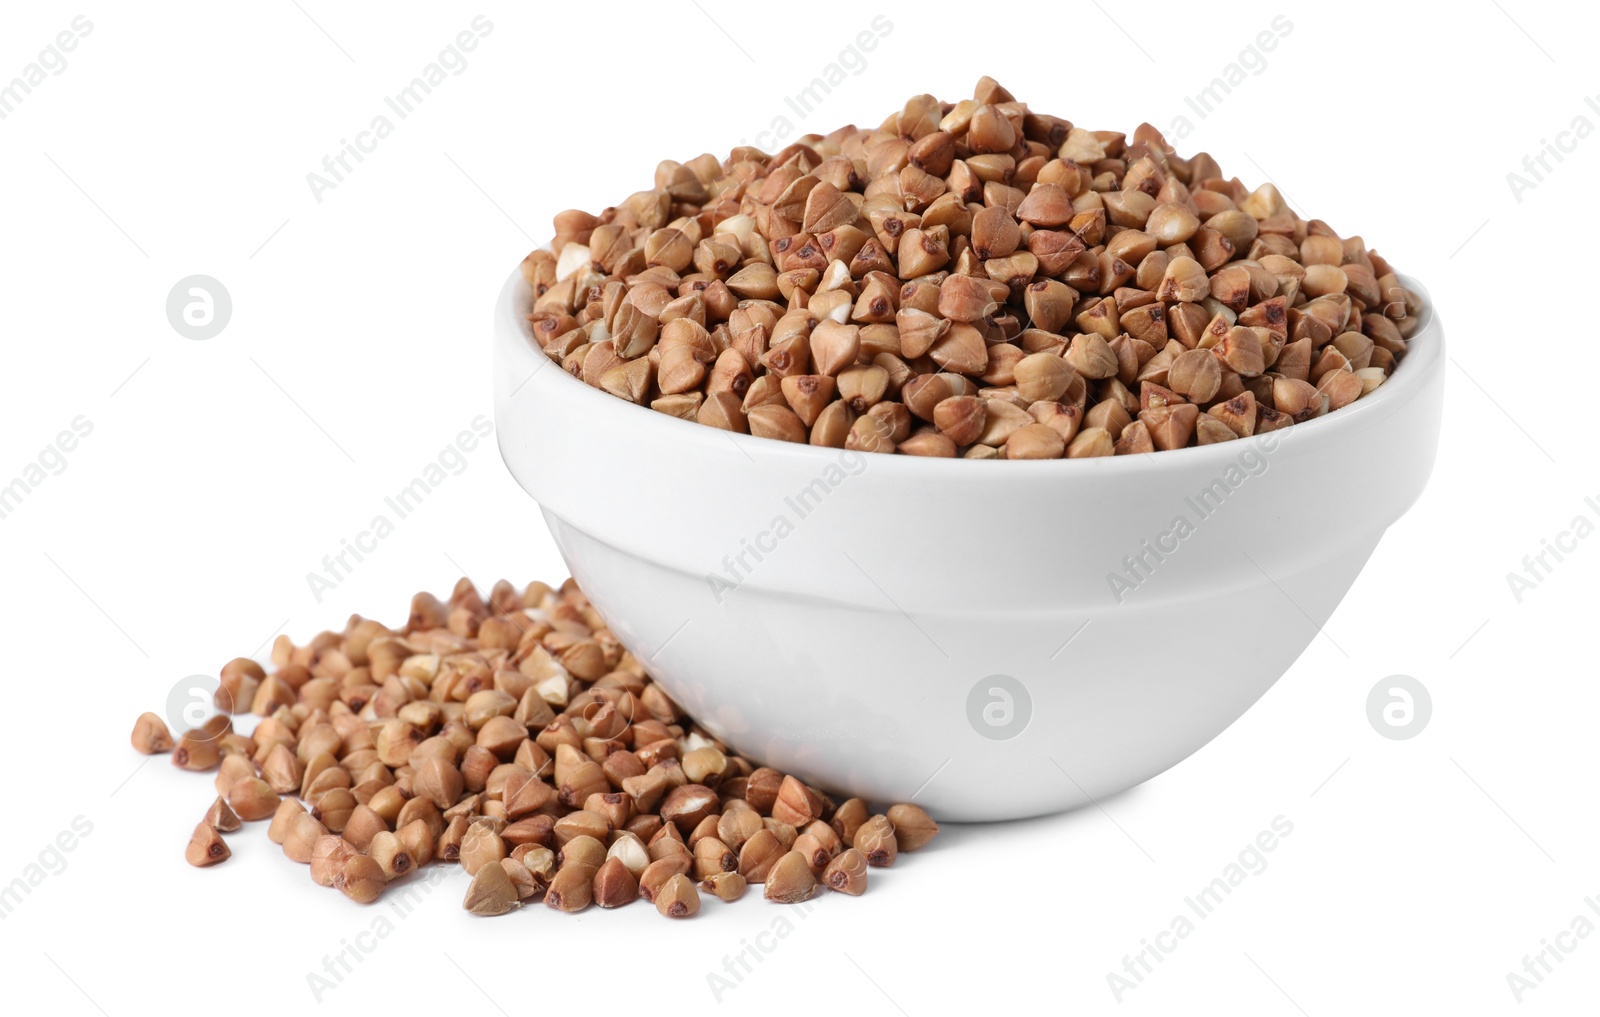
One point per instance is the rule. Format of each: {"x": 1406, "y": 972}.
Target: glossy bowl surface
{"x": 993, "y": 640}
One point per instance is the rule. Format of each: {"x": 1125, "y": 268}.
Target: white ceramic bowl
{"x": 945, "y": 631}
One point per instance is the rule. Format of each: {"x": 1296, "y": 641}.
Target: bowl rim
{"x": 1424, "y": 357}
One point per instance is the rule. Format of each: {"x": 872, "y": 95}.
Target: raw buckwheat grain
{"x": 513, "y": 735}
{"x": 976, "y": 264}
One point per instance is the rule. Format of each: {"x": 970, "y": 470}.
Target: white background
{"x": 219, "y": 473}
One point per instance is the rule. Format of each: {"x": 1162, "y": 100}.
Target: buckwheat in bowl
{"x": 702, "y": 387}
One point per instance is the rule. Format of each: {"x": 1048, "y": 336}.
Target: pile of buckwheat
{"x": 517, "y": 737}
{"x": 970, "y": 279}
